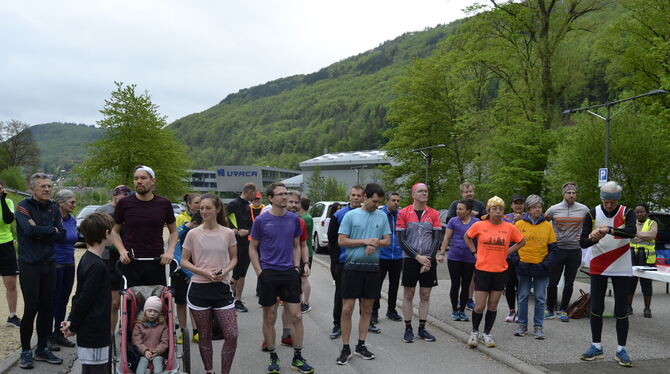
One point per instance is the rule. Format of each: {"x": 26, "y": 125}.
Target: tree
{"x": 322, "y": 188}
{"x": 18, "y": 147}
{"x": 135, "y": 135}
{"x": 13, "y": 178}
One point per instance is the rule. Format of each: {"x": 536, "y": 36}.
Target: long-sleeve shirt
{"x": 567, "y": 221}
{"x": 36, "y": 242}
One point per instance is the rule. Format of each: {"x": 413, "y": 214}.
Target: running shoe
{"x": 622, "y": 358}
{"x": 195, "y": 338}
{"x": 470, "y": 305}
{"x": 345, "y": 356}
{"x": 409, "y": 335}
{"x": 264, "y": 347}
{"x": 45, "y": 354}
{"x": 487, "y": 339}
{"x": 425, "y": 335}
{"x": 26, "y": 361}
{"x": 374, "y": 329}
{"x": 522, "y": 330}
{"x": 563, "y": 316}
{"x": 300, "y": 364}
{"x": 463, "y": 316}
{"x": 647, "y": 313}
{"x": 239, "y": 306}
{"x": 287, "y": 341}
{"x": 304, "y": 308}
{"x": 362, "y": 350}
{"x": 336, "y": 332}
{"x": 474, "y": 338}
{"x": 393, "y": 316}
{"x": 14, "y": 321}
{"x": 510, "y": 316}
{"x": 61, "y": 340}
{"x": 180, "y": 338}
{"x": 592, "y": 354}
{"x": 549, "y": 314}
{"x": 538, "y": 333}
{"x": 52, "y": 345}
{"x": 455, "y": 316}
{"x": 273, "y": 368}
{"x": 374, "y": 318}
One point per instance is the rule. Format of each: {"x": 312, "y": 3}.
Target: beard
{"x": 141, "y": 190}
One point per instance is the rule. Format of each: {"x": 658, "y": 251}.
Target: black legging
{"x": 511, "y": 282}
{"x": 38, "y": 283}
{"x": 394, "y": 269}
{"x": 337, "y": 297}
{"x": 598, "y": 289}
{"x": 64, "y": 282}
{"x": 461, "y": 276}
{"x": 570, "y": 260}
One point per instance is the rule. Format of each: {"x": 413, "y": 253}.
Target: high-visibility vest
{"x": 649, "y": 247}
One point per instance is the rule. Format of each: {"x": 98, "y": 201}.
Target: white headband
{"x": 149, "y": 170}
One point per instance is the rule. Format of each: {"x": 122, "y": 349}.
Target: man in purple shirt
{"x": 143, "y": 216}
{"x": 274, "y": 251}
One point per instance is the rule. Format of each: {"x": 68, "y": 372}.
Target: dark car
{"x": 662, "y": 218}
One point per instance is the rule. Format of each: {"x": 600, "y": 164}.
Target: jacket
{"x": 393, "y": 251}
{"x": 36, "y": 243}
{"x": 154, "y": 338}
{"x": 541, "y": 269}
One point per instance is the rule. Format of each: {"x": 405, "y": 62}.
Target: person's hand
{"x": 440, "y": 258}
{"x": 31, "y": 222}
{"x": 65, "y": 329}
{"x": 243, "y": 232}
{"x": 370, "y": 249}
{"x": 148, "y": 354}
{"x": 306, "y": 270}
{"x": 424, "y": 269}
{"x": 423, "y": 260}
{"x": 517, "y": 216}
{"x": 372, "y": 242}
{"x": 166, "y": 258}
{"x": 214, "y": 276}
{"x": 596, "y": 235}
{"x": 123, "y": 256}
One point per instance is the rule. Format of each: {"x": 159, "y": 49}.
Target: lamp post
{"x": 608, "y": 117}
{"x": 357, "y": 169}
{"x": 426, "y": 153}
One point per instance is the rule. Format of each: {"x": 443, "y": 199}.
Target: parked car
{"x": 177, "y": 208}
{"x": 662, "y": 219}
{"x": 319, "y": 211}
{"x": 88, "y": 209}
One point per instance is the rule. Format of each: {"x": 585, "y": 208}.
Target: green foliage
{"x": 17, "y": 146}
{"x": 325, "y": 189}
{"x": 135, "y": 135}
{"x": 63, "y": 145}
{"x": 13, "y": 178}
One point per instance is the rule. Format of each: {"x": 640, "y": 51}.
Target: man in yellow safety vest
{"x": 643, "y": 251}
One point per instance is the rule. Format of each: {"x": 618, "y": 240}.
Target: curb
{"x": 494, "y": 353}
{"x": 10, "y": 361}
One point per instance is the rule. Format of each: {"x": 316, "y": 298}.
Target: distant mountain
{"x": 63, "y": 144}
{"x": 341, "y": 107}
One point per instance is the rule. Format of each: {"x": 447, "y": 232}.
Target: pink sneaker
{"x": 511, "y": 316}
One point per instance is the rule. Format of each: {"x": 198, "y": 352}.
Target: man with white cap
{"x": 607, "y": 229}
{"x": 143, "y": 216}
{"x": 566, "y": 217}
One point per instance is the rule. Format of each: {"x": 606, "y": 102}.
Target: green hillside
{"x": 280, "y": 123}
{"x": 63, "y": 145}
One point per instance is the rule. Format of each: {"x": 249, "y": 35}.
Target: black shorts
{"x": 115, "y": 280}
{"x": 243, "y": 261}
{"x": 144, "y": 273}
{"x": 411, "y": 274}
{"x": 8, "y": 264}
{"x": 180, "y": 285}
{"x": 361, "y": 284}
{"x": 204, "y": 296}
{"x": 285, "y": 284}
{"x": 487, "y": 281}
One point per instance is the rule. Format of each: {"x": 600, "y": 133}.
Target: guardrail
{"x": 22, "y": 193}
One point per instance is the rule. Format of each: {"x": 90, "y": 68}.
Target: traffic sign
{"x": 602, "y": 176}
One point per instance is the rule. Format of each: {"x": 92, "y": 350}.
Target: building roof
{"x": 293, "y": 182}
{"x": 349, "y": 158}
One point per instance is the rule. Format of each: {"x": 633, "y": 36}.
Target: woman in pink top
{"x": 210, "y": 252}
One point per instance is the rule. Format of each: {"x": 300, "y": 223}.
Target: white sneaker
{"x": 487, "y": 339}
{"x": 472, "y": 342}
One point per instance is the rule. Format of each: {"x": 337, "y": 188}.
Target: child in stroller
{"x": 150, "y": 336}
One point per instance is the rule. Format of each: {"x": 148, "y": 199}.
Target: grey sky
{"x": 60, "y": 58}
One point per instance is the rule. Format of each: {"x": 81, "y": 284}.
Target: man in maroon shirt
{"x": 143, "y": 216}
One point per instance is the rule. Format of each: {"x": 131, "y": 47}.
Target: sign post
{"x": 602, "y": 176}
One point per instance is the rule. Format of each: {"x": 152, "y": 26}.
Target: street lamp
{"x": 608, "y": 117}
{"x": 357, "y": 169}
{"x": 426, "y": 153}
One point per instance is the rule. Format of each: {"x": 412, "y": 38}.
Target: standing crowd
{"x": 487, "y": 252}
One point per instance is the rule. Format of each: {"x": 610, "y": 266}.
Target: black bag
{"x": 133, "y": 355}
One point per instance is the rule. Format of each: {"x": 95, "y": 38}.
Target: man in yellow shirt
{"x": 532, "y": 270}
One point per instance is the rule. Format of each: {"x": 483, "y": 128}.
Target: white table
{"x": 654, "y": 274}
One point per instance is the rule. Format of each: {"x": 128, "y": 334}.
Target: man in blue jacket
{"x": 38, "y": 227}
{"x": 390, "y": 261}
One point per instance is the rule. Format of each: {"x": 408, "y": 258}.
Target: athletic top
{"x": 610, "y": 255}
{"x": 64, "y": 249}
{"x": 109, "y": 209}
{"x": 239, "y": 217}
{"x": 538, "y": 237}
{"x": 419, "y": 236}
{"x": 567, "y": 221}
{"x": 492, "y": 244}
{"x": 309, "y": 222}
{"x": 458, "y": 250}
{"x": 143, "y": 223}
{"x": 5, "y": 230}
{"x": 209, "y": 250}
{"x": 275, "y": 236}
{"x": 362, "y": 224}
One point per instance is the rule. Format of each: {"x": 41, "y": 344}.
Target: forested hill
{"x": 341, "y": 107}
{"x": 63, "y": 145}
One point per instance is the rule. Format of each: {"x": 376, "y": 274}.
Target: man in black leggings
{"x": 38, "y": 226}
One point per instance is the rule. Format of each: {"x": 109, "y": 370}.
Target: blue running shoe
{"x": 45, "y": 354}
{"x": 273, "y": 368}
{"x": 26, "y": 359}
{"x": 464, "y": 317}
{"x": 455, "y": 316}
{"x": 563, "y": 316}
{"x": 409, "y": 335}
{"x": 549, "y": 314}
{"x": 622, "y": 358}
{"x": 592, "y": 354}
{"x": 470, "y": 304}
{"x": 425, "y": 335}
{"x": 301, "y": 365}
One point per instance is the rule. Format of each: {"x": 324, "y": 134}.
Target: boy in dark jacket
{"x": 90, "y": 316}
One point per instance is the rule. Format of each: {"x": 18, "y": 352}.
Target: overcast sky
{"x": 59, "y": 59}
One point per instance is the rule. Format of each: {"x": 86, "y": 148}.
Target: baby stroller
{"x": 124, "y": 361}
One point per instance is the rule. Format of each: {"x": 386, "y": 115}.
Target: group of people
{"x": 486, "y": 251}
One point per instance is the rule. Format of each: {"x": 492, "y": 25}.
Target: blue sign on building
{"x": 236, "y": 173}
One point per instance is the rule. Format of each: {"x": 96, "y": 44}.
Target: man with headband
{"x": 420, "y": 232}
{"x": 566, "y": 217}
{"x": 143, "y": 216}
